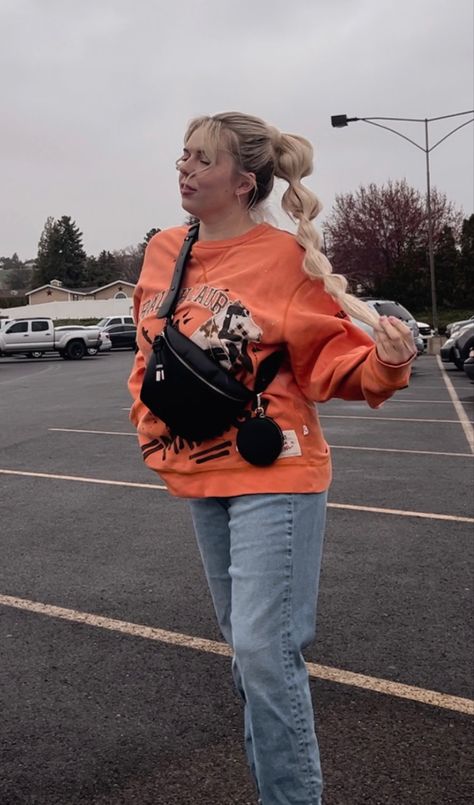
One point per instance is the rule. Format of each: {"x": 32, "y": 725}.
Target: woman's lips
{"x": 186, "y": 190}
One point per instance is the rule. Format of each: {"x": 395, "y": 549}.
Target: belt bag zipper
{"x": 202, "y": 379}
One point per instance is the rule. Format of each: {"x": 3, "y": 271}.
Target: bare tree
{"x": 371, "y": 231}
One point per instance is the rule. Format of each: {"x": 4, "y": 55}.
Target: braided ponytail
{"x": 266, "y": 152}
{"x": 294, "y": 160}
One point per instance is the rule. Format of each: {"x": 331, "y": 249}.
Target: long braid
{"x": 261, "y": 149}
{"x": 294, "y": 160}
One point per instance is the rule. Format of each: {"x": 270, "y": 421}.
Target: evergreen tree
{"x": 18, "y": 278}
{"x": 43, "y": 266}
{"x": 148, "y": 237}
{"x": 61, "y": 255}
{"x": 101, "y": 270}
{"x": 465, "y": 276}
{"x": 446, "y": 258}
{"x": 12, "y": 263}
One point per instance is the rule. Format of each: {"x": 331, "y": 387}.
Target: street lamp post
{"x": 339, "y": 121}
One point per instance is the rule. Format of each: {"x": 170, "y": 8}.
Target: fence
{"x": 87, "y": 309}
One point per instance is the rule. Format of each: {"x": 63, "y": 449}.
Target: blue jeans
{"x": 262, "y": 557}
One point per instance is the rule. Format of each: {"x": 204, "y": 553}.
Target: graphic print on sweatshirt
{"x": 226, "y": 336}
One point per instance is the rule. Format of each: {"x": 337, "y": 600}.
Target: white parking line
{"x": 98, "y": 432}
{"x": 82, "y": 479}
{"x": 387, "y": 418}
{"x": 463, "y": 418}
{"x": 398, "y": 450}
{"x": 332, "y": 446}
{"x": 338, "y": 675}
{"x": 403, "y": 513}
{"x": 416, "y": 400}
{"x": 422, "y": 387}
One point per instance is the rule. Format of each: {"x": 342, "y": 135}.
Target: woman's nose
{"x": 185, "y": 170}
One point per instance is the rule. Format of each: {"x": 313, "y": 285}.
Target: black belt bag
{"x": 196, "y": 398}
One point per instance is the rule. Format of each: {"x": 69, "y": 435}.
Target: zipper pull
{"x": 159, "y": 373}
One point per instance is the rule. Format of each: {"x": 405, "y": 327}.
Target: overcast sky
{"x": 96, "y": 95}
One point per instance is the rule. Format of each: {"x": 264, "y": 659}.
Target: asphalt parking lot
{"x": 114, "y": 684}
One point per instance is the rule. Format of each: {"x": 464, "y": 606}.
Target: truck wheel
{"x": 75, "y": 350}
{"x": 64, "y": 355}
{"x": 92, "y": 351}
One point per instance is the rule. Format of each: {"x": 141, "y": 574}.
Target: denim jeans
{"x": 262, "y": 557}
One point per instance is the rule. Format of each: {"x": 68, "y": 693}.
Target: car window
{"x": 392, "y": 309}
{"x": 128, "y": 320}
{"x": 114, "y": 321}
{"x": 114, "y": 328}
{"x": 18, "y": 327}
{"x": 38, "y": 326}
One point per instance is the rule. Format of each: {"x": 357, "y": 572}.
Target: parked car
{"x": 453, "y": 326}
{"x": 121, "y": 335}
{"x": 105, "y": 342}
{"x": 387, "y": 307}
{"x": 469, "y": 365}
{"x": 114, "y": 320}
{"x": 457, "y": 348}
{"x": 426, "y": 332}
{"x": 33, "y": 337}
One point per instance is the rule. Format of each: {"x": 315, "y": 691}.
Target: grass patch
{"x": 82, "y": 322}
{"x": 444, "y": 316}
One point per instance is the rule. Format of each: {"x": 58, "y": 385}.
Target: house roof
{"x": 80, "y": 291}
{"x": 115, "y": 282}
{"x": 54, "y": 287}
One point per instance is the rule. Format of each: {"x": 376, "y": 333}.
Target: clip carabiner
{"x": 259, "y": 411}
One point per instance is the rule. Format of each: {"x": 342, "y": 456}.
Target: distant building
{"x": 54, "y": 291}
{"x": 7, "y": 294}
{"x": 30, "y": 264}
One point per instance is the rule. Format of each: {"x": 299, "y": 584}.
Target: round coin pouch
{"x": 260, "y": 441}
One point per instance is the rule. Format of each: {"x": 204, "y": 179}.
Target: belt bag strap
{"x": 269, "y": 367}
{"x": 167, "y": 308}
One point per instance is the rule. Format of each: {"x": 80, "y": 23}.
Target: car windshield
{"x": 392, "y": 309}
{"x": 102, "y": 323}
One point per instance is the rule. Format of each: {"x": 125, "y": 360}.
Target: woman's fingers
{"x": 394, "y": 340}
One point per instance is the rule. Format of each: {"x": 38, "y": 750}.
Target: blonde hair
{"x": 261, "y": 149}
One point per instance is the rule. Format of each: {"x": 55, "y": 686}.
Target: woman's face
{"x": 208, "y": 190}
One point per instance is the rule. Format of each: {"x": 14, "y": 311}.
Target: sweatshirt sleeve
{"x": 331, "y": 356}
{"x": 135, "y": 380}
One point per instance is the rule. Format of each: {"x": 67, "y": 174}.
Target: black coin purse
{"x": 260, "y": 439}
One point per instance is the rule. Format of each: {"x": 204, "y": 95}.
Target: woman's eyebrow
{"x": 198, "y": 151}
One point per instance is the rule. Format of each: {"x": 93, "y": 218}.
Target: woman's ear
{"x": 246, "y": 184}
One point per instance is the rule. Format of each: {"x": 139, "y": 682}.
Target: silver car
{"x": 387, "y": 307}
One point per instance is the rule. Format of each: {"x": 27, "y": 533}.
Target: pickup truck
{"x": 33, "y": 337}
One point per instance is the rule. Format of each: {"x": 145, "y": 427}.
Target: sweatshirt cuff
{"x": 396, "y": 365}
{"x": 389, "y": 375}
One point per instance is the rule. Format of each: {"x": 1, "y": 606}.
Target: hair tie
{"x": 275, "y": 138}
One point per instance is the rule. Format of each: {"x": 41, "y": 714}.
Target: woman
{"x": 250, "y": 289}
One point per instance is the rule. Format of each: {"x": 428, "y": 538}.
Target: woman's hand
{"x": 394, "y": 341}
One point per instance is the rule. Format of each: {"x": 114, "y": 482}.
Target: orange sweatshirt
{"x": 245, "y": 297}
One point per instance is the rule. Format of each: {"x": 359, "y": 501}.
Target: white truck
{"x": 33, "y": 337}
